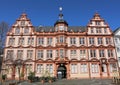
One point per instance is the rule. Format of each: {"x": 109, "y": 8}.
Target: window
{"x": 40, "y": 54}
{"x": 105, "y": 30}
{"x": 29, "y": 54}
{"x": 17, "y": 31}
{"x": 116, "y": 40}
{"x": 82, "y": 41}
{"x": 92, "y": 30}
{"x": 26, "y": 30}
{"x": 11, "y": 41}
{"x": 28, "y": 68}
{"x": 40, "y": 41}
{"x": 104, "y": 68}
{"x": 73, "y": 53}
{"x": 73, "y": 40}
{"x": 101, "y": 53}
{"x": 22, "y": 23}
{"x": 110, "y": 53}
{"x": 83, "y": 68}
{"x": 19, "y": 54}
{"x": 91, "y": 40}
{"x": 57, "y": 54}
{"x": 61, "y": 39}
{"x": 40, "y": 68}
{"x": 119, "y": 59}
{"x": 74, "y": 68}
{"x": 61, "y": 28}
{"x": 100, "y": 41}
{"x": 97, "y": 23}
{"x": 118, "y": 49}
{"x": 9, "y": 54}
{"x": 93, "y": 53}
{"x": 30, "y": 41}
{"x": 50, "y": 68}
{"x": 98, "y": 30}
{"x": 49, "y": 41}
{"x": 49, "y": 54}
{"x": 61, "y": 53}
{"x": 112, "y": 67}
{"x": 94, "y": 68}
{"x": 21, "y": 41}
{"x": 82, "y": 53}
{"x": 108, "y": 41}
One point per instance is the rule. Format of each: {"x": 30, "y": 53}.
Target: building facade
{"x": 117, "y": 43}
{"x": 73, "y": 51}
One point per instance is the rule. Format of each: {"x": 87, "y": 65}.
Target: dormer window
{"x": 61, "y": 28}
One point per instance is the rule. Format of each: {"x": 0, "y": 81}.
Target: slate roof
{"x": 116, "y": 30}
{"x": 52, "y": 29}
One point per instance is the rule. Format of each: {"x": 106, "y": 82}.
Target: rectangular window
{"x": 61, "y": 39}
{"x": 57, "y": 54}
{"x": 28, "y": 68}
{"x": 101, "y": 53}
{"x": 105, "y": 30}
{"x": 74, "y": 68}
{"x": 83, "y": 68}
{"x": 110, "y": 53}
{"x": 26, "y": 30}
{"x": 82, "y": 41}
{"x": 73, "y": 53}
{"x": 82, "y": 53}
{"x": 9, "y": 54}
{"x": 116, "y": 40}
{"x": 30, "y": 41}
{"x": 40, "y": 54}
{"x": 11, "y": 41}
{"x": 97, "y": 23}
{"x": 49, "y": 41}
{"x": 50, "y": 68}
{"x": 112, "y": 67}
{"x": 61, "y": 53}
{"x": 100, "y": 41}
{"x": 29, "y": 54}
{"x": 19, "y": 54}
{"x": 92, "y": 30}
{"x": 22, "y": 23}
{"x": 49, "y": 54}
{"x": 21, "y": 41}
{"x": 17, "y": 31}
{"x": 40, "y": 68}
{"x": 108, "y": 41}
{"x": 91, "y": 40}
{"x": 73, "y": 40}
{"x": 93, "y": 53}
{"x": 98, "y": 30}
{"x": 40, "y": 41}
{"x": 94, "y": 68}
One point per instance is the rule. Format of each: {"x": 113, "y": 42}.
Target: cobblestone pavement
{"x": 70, "y": 82}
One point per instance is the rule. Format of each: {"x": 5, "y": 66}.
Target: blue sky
{"x": 76, "y": 12}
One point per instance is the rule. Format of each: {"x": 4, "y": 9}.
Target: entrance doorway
{"x": 61, "y": 71}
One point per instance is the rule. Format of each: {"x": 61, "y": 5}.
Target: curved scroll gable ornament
{"x": 103, "y": 61}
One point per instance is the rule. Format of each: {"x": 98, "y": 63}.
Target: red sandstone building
{"x": 74, "y": 51}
